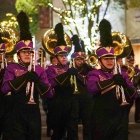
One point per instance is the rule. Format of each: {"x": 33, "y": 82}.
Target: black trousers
{"x": 64, "y": 113}
{"x": 110, "y": 125}
{"x": 2, "y": 108}
{"x": 137, "y": 109}
{"x": 23, "y": 122}
{"x": 47, "y": 108}
{"x": 85, "y": 109}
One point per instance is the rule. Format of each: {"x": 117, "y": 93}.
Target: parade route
{"x": 134, "y": 128}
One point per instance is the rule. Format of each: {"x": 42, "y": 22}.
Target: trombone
{"x": 30, "y": 85}
{"x": 117, "y": 70}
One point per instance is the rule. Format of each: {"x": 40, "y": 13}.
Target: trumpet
{"x": 30, "y": 85}
{"x": 73, "y": 79}
{"x": 120, "y": 88}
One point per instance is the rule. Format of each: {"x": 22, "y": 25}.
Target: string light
{"x": 8, "y": 28}
{"x": 80, "y": 17}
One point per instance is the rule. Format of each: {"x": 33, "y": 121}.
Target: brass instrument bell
{"x": 92, "y": 60}
{"x": 122, "y": 45}
{"x": 10, "y": 38}
{"x": 49, "y": 41}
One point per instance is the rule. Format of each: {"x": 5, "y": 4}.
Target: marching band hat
{"x": 79, "y": 51}
{"x": 106, "y": 42}
{"x": 25, "y": 41}
{"x": 61, "y": 47}
{"x": 105, "y": 52}
{"x": 61, "y": 50}
{"x": 78, "y": 55}
{"x": 24, "y": 44}
{"x": 105, "y": 33}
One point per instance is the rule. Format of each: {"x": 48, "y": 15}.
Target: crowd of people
{"x": 72, "y": 92}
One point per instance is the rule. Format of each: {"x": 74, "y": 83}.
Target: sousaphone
{"x": 10, "y": 38}
{"x": 121, "y": 44}
{"x": 49, "y": 41}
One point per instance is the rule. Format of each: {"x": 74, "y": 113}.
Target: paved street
{"x": 134, "y": 129}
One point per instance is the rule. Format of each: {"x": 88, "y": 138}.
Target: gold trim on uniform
{"x": 106, "y": 90}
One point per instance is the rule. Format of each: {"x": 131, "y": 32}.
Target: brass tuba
{"x": 10, "y": 38}
{"x": 49, "y": 41}
{"x": 122, "y": 45}
{"x": 122, "y": 48}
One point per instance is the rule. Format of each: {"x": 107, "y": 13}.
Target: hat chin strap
{"x": 59, "y": 63}
{"x": 105, "y": 68}
{"x": 23, "y": 63}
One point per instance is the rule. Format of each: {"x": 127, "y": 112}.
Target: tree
{"x": 80, "y": 17}
{"x": 31, "y": 7}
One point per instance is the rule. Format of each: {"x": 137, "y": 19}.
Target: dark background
{"x": 6, "y": 6}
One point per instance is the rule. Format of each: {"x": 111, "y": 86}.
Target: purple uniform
{"x": 95, "y": 76}
{"x": 19, "y": 110}
{"x": 136, "y": 80}
{"x": 15, "y": 70}
{"x": 2, "y": 65}
{"x": 108, "y": 113}
{"x": 54, "y": 71}
{"x": 63, "y": 109}
{"x": 23, "y": 119}
{"x": 63, "y": 112}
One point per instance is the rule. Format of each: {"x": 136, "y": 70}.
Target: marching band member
{"x": 109, "y": 118}
{"x": 2, "y": 70}
{"x": 24, "y": 120}
{"x": 64, "y": 112}
{"x": 134, "y": 73}
{"x": 53, "y": 60}
{"x": 46, "y": 102}
{"x": 84, "y": 100}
